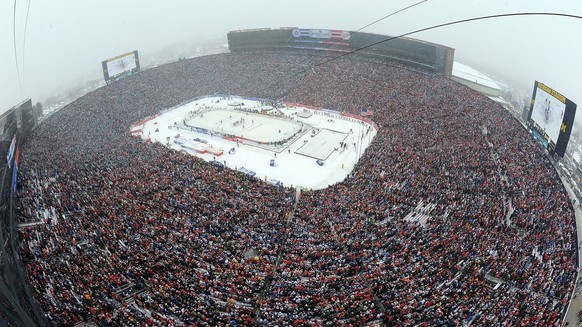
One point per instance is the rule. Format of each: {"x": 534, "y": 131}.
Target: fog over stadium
{"x": 65, "y": 41}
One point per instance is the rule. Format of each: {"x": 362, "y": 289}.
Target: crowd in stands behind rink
{"x": 136, "y": 234}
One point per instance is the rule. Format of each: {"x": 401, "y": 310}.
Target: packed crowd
{"x": 136, "y": 234}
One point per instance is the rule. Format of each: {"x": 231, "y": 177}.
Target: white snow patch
{"x": 465, "y": 72}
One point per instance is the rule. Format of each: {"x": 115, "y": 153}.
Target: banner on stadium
{"x": 10, "y": 153}
{"x": 15, "y": 170}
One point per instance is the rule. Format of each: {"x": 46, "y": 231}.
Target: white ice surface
{"x": 290, "y": 168}
{"x": 323, "y": 144}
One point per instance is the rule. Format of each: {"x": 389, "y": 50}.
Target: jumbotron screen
{"x": 551, "y": 117}
{"x": 120, "y": 65}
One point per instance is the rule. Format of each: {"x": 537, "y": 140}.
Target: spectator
{"x": 136, "y": 234}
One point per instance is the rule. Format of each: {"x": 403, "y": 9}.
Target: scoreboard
{"x": 119, "y": 66}
{"x": 551, "y": 118}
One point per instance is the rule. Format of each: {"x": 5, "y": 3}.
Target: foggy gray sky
{"x": 67, "y": 40}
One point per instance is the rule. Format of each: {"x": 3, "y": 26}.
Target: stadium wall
{"x": 17, "y": 304}
{"x": 433, "y": 57}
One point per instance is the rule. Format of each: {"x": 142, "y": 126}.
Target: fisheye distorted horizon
{"x": 369, "y": 189}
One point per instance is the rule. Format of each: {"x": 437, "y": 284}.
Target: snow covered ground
{"x": 273, "y": 144}
{"x": 471, "y": 74}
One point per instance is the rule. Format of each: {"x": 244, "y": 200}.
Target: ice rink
{"x": 323, "y": 144}
{"x": 295, "y": 161}
{"x": 252, "y": 126}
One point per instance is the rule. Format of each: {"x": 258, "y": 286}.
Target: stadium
{"x": 454, "y": 215}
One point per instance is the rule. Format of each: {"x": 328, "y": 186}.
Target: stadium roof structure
{"x": 475, "y": 79}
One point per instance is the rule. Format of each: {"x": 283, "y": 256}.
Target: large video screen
{"x": 551, "y": 116}
{"x": 548, "y": 112}
{"x": 120, "y": 65}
